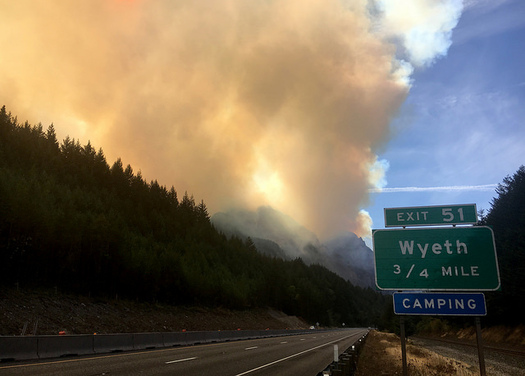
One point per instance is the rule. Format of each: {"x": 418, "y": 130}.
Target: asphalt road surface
{"x": 299, "y": 355}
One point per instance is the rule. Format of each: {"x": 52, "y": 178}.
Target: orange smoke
{"x": 241, "y": 103}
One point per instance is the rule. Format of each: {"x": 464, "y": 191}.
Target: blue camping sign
{"x": 442, "y": 304}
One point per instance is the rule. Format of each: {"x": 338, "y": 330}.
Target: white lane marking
{"x": 181, "y": 360}
{"x": 283, "y": 342}
{"x": 252, "y": 348}
{"x": 292, "y": 356}
{"x": 302, "y": 339}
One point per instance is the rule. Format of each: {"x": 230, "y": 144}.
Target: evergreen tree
{"x": 507, "y": 219}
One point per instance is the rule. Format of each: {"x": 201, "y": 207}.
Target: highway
{"x": 299, "y": 355}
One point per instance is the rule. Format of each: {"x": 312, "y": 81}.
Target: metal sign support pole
{"x": 481, "y": 356}
{"x": 403, "y": 345}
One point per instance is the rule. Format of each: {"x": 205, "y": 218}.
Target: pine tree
{"x": 507, "y": 219}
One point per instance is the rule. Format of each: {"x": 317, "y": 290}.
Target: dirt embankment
{"x": 381, "y": 355}
{"x": 498, "y": 336}
{"x": 512, "y": 336}
{"x": 48, "y": 312}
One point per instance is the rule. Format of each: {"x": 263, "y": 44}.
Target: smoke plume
{"x": 240, "y": 103}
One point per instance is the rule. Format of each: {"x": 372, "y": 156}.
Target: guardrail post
{"x": 351, "y": 358}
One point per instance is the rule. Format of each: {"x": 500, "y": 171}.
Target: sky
{"x": 461, "y": 129}
{"x": 326, "y": 110}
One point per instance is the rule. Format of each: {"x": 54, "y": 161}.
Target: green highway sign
{"x": 431, "y": 215}
{"x": 436, "y": 259}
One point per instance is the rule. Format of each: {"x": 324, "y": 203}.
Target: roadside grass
{"x": 381, "y": 355}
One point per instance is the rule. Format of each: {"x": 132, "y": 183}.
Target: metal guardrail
{"x": 40, "y": 347}
{"x": 345, "y": 364}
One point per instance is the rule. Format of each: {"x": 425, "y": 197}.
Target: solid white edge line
{"x": 291, "y": 356}
{"x": 181, "y": 360}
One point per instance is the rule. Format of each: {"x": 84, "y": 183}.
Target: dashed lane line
{"x": 180, "y": 360}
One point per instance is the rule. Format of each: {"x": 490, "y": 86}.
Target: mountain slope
{"x": 278, "y": 235}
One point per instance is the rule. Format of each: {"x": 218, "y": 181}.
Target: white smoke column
{"x": 241, "y": 103}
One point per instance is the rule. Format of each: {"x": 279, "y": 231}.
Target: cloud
{"x": 422, "y": 27}
{"x": 450, "y": 188}
{"x": 241, "y": 103}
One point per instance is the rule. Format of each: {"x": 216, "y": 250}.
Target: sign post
{"x": 403, "y": 345}
{"x": 481, "y": 356}
{"x": 436, "y": 259}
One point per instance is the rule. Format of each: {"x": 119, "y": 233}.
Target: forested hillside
{"x": 69, "y": 220}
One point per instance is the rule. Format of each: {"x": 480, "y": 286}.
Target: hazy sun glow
{"x": 269, "y": 184}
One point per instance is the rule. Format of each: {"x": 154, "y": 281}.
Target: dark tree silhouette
{"x": 507, "y": 219}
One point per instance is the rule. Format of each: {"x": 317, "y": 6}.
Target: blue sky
{"x": 462, "y": 124}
